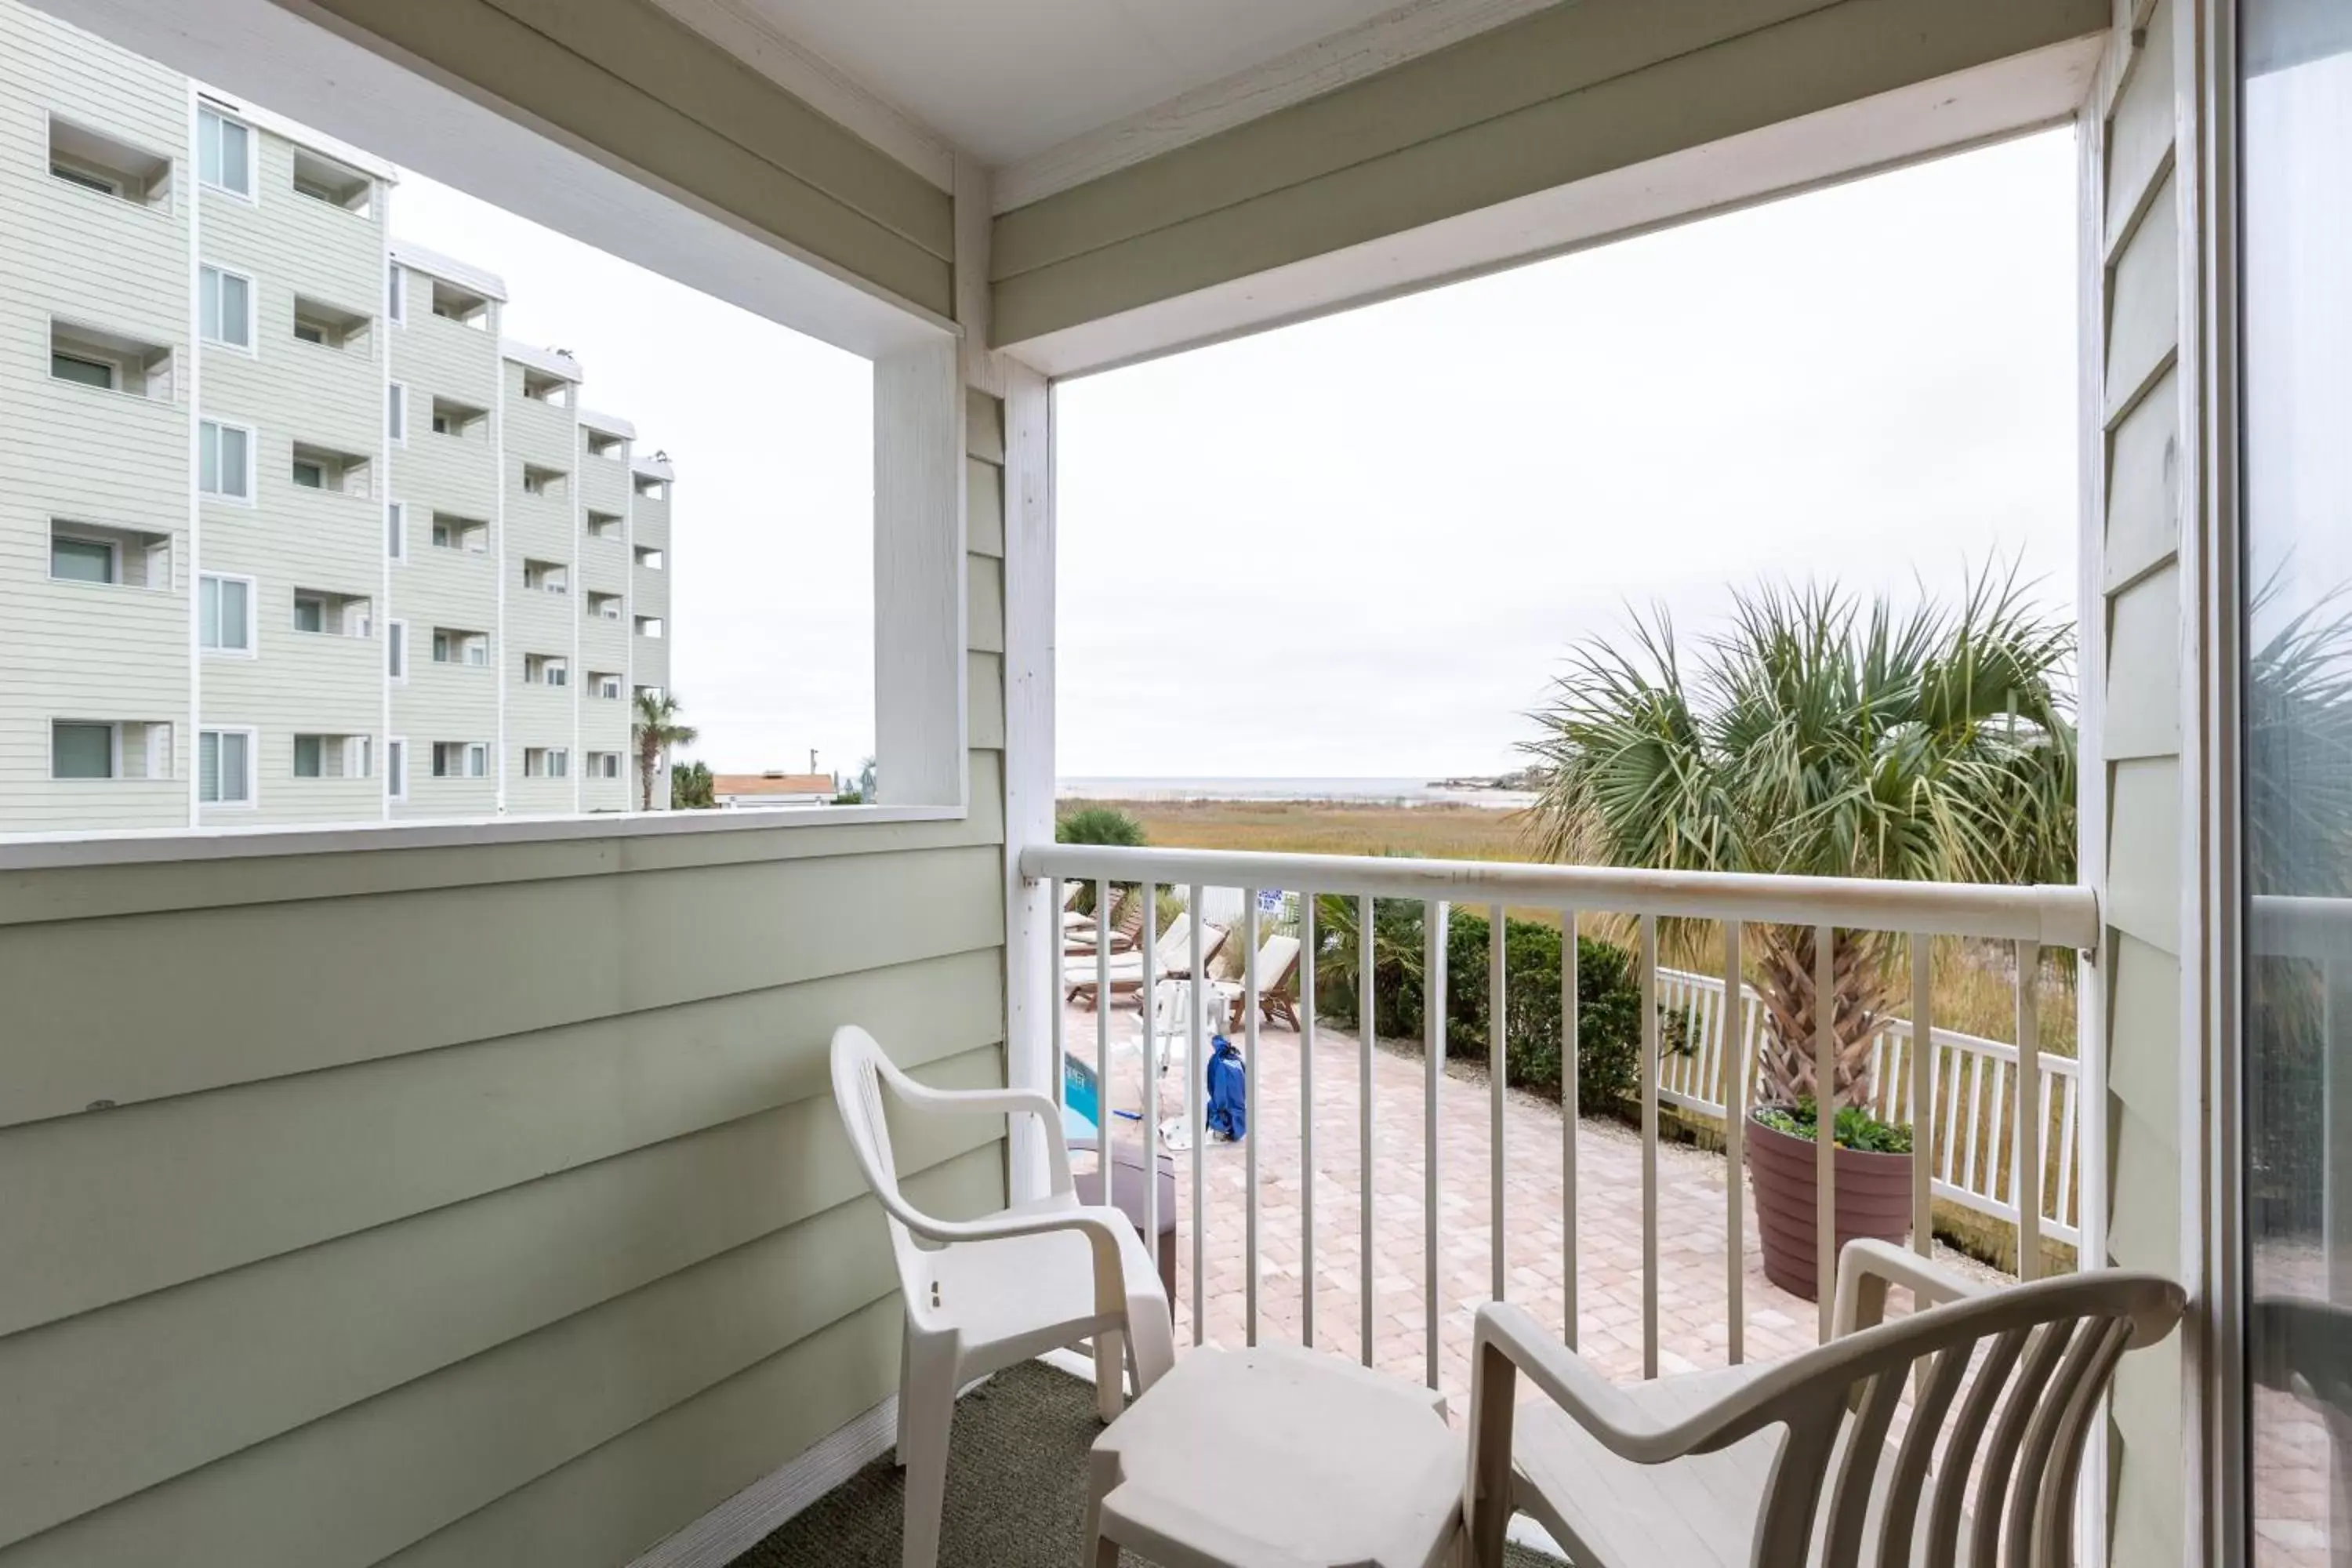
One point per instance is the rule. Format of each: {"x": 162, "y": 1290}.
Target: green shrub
{"x": 1609, "y": 996}
{"x": 1099, "y": 824}
{"x": 1856, "y": 1128}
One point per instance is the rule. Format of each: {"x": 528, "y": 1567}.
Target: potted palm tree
{"x": 1815, "y": 738}
{"x": 655, "y": 728}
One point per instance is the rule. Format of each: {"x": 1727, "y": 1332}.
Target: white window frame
{"x": 301, "y": 736}
{"x": 252, "y": 456}
{"x": 477, "y": 760}
{"x": 252, "y": 767}
{"x": 251, "y": 194}
{"x": 396, "y": 775}
{"x": 395, "y": 645}
{"x": 395, "y": 412}
{"x": 252, "y": 648}
{"x": 251, "y": 347}
{"x": 396, "y": 531}
{"x": 395, "y": 293}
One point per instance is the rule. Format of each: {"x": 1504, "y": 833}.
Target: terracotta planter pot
{"x": 1873, "y": 1199}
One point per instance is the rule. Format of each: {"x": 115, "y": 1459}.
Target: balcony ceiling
{"x": 1009, "y": 78}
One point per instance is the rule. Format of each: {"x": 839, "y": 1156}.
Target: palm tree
{"x": 656, "y": 729}
{"x": 1935, "y": 744}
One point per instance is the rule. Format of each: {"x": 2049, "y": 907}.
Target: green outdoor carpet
{"x": 1016, "y": 1489}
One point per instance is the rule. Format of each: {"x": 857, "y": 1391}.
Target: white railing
{"x": 2032, "y": 918}
{"x": 1968, "y": 1140}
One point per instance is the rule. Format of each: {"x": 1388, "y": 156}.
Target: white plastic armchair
{"x": 983, "y": 1294}
{"x": 1789, "y": 1463}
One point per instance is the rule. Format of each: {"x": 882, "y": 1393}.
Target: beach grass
{"x": 1974, "y": 983}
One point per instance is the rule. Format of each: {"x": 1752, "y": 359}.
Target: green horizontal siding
{"x": 627, "y": 78}
{"x": 465, "y": 1205}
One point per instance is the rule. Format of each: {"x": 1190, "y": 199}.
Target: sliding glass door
{"x": 2296, "y": 335}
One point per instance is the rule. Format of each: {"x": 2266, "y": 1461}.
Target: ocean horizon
{"x": 1357, "y": 790}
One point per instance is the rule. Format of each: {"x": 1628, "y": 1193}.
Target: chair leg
{"x": 1110, "y": 1375}
{"x": 1151, "y": 1338}
{"x": 926, "y": 1413}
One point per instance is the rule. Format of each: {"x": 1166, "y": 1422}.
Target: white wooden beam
{"x": 919, "y": 610}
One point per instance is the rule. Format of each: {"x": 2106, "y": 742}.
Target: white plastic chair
{"x": 992, "y": 1292}
{"x": 1789, "y": 1463}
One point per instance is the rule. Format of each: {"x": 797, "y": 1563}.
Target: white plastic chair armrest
{"x": 1619, "y": 1420}
{"x": 1007, "y": 1103}
{"x": 1866, "y": 1267}
{"x": 1100, "y": 1226}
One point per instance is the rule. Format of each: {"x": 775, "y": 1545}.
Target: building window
{"x": 463, "y": 306}
{"x": 225, "y": 460}
{"x": 225, "y": 614}
{"x": 545, "y": 669}
{"x": 460, "y": 759}
{"x": 75, "y": 560}
{"x": 310, "y": 756}
{"x": 604, "y": 525}
{"x": 468, "y": 534}
{"x": 82, "y": 372}
{"x": 223, "y": 154}
{"x": 338, "y": 185}
{"x": 227, "y": 306}
{"x": 539, "y": 482}
{"x": 395, "y": 295}
{"x": 224, "y": 767}
{"x": 546, "y": 762}
{"x": 395, "y": 650}
{"x": 81, "y": 750}
{"x": 395, "y": 412}
{"x": 451, "y": 417}
{"x": 604, "y": 606}
{"x": 546, "y": 577}
{"x": 310, "y": 476}
{"x": 460, "y": 647}
{"x": 98, "y": 162}
{"x": 606, "y": 685}
{"x": 395, "y": 768}
{"x": 650, "y": 559}
{"x": 395, "y": 529}
{"x": 649, "y": 626}
{"x": 603, "y": 764}
{"x": 310, "y": 613}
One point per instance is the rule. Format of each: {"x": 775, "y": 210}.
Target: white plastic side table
{"x": 1277, "y": 1457}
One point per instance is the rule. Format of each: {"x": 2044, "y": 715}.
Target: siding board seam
{"x": 2143, "y": 203}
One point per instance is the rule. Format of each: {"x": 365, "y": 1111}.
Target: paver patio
{"x": 1692, "y": 1317}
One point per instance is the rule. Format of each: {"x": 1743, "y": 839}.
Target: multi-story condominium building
{"x": 288, "y": 531}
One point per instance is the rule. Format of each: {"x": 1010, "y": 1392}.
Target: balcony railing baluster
{"x": 1433, "y": 1055}
{"x": 1365, "y": 1031}
{"x": 1650, "y": 1065}
{"x": 1307, "y": 948}
{"x": 1498, "y": 1012}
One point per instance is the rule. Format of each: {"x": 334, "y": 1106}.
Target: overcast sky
{"x": 1360, "y": 546}
{"x": 771, "y": 562}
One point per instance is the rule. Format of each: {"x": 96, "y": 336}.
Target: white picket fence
{"x": 1969, "y": 1134}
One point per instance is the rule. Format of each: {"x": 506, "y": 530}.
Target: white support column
{"x": 1032, "y": 912}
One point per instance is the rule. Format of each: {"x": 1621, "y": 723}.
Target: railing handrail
{"x": 2053, "y": 916}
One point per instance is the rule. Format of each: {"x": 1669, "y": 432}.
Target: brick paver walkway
{"x": 1692, "y": 1299}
